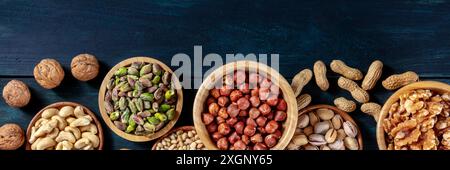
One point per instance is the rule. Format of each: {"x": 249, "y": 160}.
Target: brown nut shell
{"x": 48, "y": 73}
{"x": 84, "y": 67}
{"x": 12, "y": 137}
{"x": 16, "y": 94}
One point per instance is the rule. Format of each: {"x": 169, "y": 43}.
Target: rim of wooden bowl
{"x": 342, "y": 113}
{"x": 183, "y": 128}
{"x": 288, "y": 95}
{"x": 59, "y": 105}
{"x": 131, "y": 137}
{"x": 431, "y": 85}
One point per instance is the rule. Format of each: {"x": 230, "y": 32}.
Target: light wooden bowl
{"x": 431, "y": 85}
{"x": 208, "y": 83}
{"x": 343, "y": 114}
{"x": 58, "y": 106}
{"x": 131, "y": 137}
{"x": 183, "y": 128}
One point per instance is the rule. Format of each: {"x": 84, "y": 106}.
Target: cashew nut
{"x": 32, "y": 137}
{"x": 92, "y": 138}
{"x": 54, "y": 133}
{"x": 43, "y": 130}
{"x": 45, "y": 143}
{"x": 88, "y": 147}
{"x": 79, "y": 112}
{"x": 66, "y": 111}
{"x": 64, "y": 145}
{"x": 52, "y": 123}
{"x": 88, "y": 118}
{"x": 66, "y": 136}
{"x": 48, "y": 113}
{"x": 33, "y": 145}
{"x": 61, "y": 122}
{"x": 75, "y": 131}
{"x": 69, "y": 120}
{"x": 81, "y": 143}
{"x": 41, "y": 122}
{"x": 89, "y": 128}
{"x": 80, "y": 122}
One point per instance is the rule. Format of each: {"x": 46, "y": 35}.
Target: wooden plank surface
{"x": 405, "y": 35}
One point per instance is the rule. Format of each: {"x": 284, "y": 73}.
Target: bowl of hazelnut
{"x": 245, "y": 105}
{"x": 416, "y": 117}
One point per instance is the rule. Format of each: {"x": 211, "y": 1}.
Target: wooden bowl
{"x": 58, "y": 106}
{"x": 131, "y": 137}
{"x": 276, "y": 78}
{"x": 431, "y": 85}
{"x": 183, "y": 128}
{"x": 342, "y": 113}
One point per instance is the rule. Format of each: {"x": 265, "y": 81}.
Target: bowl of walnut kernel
{"x": 416, "y": 117}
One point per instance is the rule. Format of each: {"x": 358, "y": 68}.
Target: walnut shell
{"x": 48, "y": 73}
{"x": 16, "y": 94}
{"x": 84, "y": 67}
{"x": 11, "y": 137}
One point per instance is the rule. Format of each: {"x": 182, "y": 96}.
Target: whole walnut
{"x": 16, "y": 94}
{"x": 48, "y": 73}
{"x": 84, "y": 67}
{"x": 11, "y": 137}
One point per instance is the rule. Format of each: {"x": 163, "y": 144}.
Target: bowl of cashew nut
{"x": 64, "y": 126}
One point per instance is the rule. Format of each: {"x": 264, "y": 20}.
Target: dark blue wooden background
{"x": 405, "y": 35}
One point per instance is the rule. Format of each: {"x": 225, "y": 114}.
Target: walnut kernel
{"x": 419, "y": 121}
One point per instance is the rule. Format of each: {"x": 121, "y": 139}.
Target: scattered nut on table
{"x": 300, "y": 80}
{"x": 181, "y": 140}
{"x": 322, "y": 129}
{"x": 54, "y": 131}
{"x": 48, "y": 73}
{"x": 16, "y": 94}
{"x": 11, "y": 137}
{"x": 420, "y": 120}
{"x": 84, "y": 67}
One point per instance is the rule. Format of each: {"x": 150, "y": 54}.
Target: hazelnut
{"x": 257, "y": 138}
{"x": 231, "y": 121}
{"x": 245, "y": 139}
{"x": 212, "y": 127}
{"x": 222, "y": 143}
{"x": 207, "y": 118}
{"x": 84, "y": 67}
{"x": 213, "y": 108}
{"x": 239, "y": 127}
{"x": 239, "y": 145}
{"x": 216, "y": 136}
{"x": 249, "y": 130}
{"x": 16, "y": 94}
{"x": 259, "y": 146}
{"x": 224, "y": 129}
{"x": 271, "y": 127}
{"x": 233, "y": 138}
{"x": 280, "y": 116}
{"x": 264, "y": 93}
{"x": 48, "y": 73}
{"x": 12, "y": 137}
{"x": 261, "y": 121}
{"x": 270, "y": 141}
